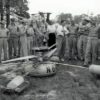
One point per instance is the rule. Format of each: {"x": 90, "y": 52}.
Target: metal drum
{"x": 44, "y": 69}
{"x": 95, "y": 69}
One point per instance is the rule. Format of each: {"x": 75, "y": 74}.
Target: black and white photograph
{"x": 49, "y": 50}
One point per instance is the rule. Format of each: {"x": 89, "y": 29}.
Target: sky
{"x": 76, "y": 7}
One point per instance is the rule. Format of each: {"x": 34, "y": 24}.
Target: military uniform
{"x": 82, "y": 41}
{"x": 3, "y": 42}
{"x": 30, "y": 36}
{"x": 72, "y": 40}
{"x": 43, "y": 37}
{"x": 23, "y": 40}
{"x": 98, "y": 41}
{"x": 92, "y": 46}
{"x": 13, "y": 41}
{"x": 37, "y": 41}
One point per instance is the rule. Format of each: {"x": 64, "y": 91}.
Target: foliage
{"x": 77, "y": 18}
{"x": 63, "y": 16}
{"x": 20, "y": 7}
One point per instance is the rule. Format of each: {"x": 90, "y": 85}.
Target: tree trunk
{"x": 48, "y": 17}
{"x": 8, "y": 12}
{"x": 1, "y": 16}
{"x": 1, "y": 9}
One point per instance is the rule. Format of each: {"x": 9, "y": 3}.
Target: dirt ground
{"x": 68, "y": 84}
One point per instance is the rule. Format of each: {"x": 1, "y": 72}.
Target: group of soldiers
{"x": 73, "y": 41}
{"x": 18, "y": 39}
{"x": 78, "y": 41}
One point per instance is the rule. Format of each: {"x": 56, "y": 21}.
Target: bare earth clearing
{"x": 68, "y": 84}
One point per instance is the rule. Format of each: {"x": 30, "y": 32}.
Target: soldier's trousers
{"x": 3, "y": 46}
{"x": 91, "y": 50}
{"x": 40, "y": 40}
{"x": 29, "y": 44}
{"x": 98, "y": 53}
{"x": 81, "y": 46}
{"x": 13, "y": 47}
{"x": 61, "y": 44}
{"x": 23, "y": 45}
{"x": 72, "y": 46}
{"x": 66, "y": 53}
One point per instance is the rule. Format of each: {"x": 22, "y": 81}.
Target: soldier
{"x": 19, "y": 45}
{"x": 30, "y": 36}
{"x": 13, "y": 39}
{"x": 82, "y": 39}
{"x": 3, "y": 40}
{"x": 23, "y": 39}
{"x": 61, "y": 40}
{"x": 98, "y": 53}
{"x": 92, "y": 43}
{"x": 72, "y": 41}
{"x": 43, "y": 30}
